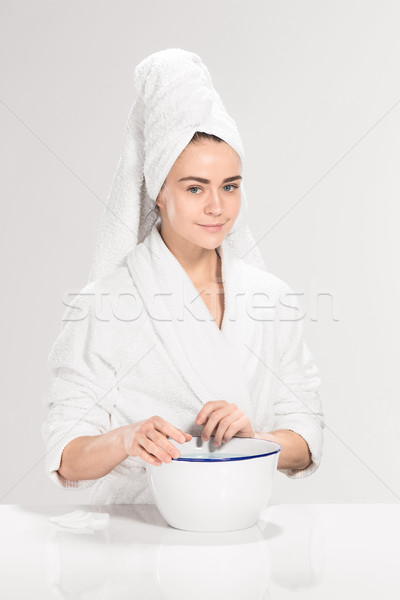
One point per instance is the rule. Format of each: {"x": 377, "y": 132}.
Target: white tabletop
{"x": 318, "y": 551}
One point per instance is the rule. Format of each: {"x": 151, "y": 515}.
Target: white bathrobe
{"x": 142, "y": 342}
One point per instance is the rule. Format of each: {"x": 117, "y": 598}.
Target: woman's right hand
{"x": 148, "y": 440}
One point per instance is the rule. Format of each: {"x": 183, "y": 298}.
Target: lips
{"x": 212, "y": 228}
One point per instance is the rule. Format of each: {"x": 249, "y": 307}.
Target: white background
{"x": 314, "y": 88}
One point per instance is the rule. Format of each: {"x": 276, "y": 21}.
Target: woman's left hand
{"x": 226, "y": 418}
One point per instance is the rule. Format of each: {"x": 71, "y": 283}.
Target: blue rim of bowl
{"x": 182, "y": 458}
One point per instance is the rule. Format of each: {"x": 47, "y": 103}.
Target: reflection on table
{"x": 304, "y": 551}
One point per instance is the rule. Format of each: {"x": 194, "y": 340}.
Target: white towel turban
{"x": 175, "y": 98}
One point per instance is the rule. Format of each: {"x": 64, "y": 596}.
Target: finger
{"x": 234, "y": 428}
{"x": 171, "y": 431}
{"x": 161, "y": 441}
{"x": 224, "y": 434}
{"x": 208, "y": 408}
{"x": 223, "y": 427}
{"x": 186, "y": 437}
{"x": 155, "y": 450}
{"x": 142, "y": 453}
{"x": 214, "y": 419}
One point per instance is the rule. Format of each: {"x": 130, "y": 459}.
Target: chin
{"x": 209, "y": 244}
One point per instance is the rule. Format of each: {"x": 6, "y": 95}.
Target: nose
{"x": 214, "y": 205}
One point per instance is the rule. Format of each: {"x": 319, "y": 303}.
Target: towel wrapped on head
{"x": 175, "y": 98}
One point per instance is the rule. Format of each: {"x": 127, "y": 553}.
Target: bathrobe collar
{"x": 208, "y": 358}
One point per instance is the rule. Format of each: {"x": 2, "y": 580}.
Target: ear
{"x": 159, "y": 199}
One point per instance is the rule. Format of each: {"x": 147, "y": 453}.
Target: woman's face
{"x": 202, "y": 188}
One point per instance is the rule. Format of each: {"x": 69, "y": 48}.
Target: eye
{"x": 232, "y": 185}
{"x": 194, "y": 187}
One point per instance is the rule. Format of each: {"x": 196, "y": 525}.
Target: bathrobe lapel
{"x": 209, "y": 359}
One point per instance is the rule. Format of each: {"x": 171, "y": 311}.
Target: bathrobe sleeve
{"x": 297, "y": 405}
{"x": 82, "y": 391}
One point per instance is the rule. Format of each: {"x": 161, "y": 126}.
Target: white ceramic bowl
{"x": 205, "y": 491}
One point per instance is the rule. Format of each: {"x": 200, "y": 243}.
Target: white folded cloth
{"x": 82, "y": 521}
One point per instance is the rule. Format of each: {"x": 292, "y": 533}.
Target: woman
{"x": 181, "y": 345}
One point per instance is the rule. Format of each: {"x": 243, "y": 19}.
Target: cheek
{"x": 236, "y": 206}
{"x": 181, "y": 210}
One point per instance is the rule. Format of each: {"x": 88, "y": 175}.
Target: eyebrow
{"x": 207, "y": 180}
